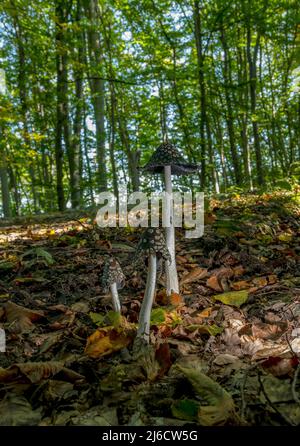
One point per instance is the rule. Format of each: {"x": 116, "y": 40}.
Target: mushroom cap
{"x": 112, "y": 273}
{"x": 167, "y": 155}
{"x": 153, "y": 241}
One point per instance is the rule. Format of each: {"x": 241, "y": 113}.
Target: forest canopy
{"x": 89, "y": 88}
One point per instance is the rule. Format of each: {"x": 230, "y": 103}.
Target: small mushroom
{"x": 113, "y": 280}
{"x": 153, "y": 245}
{"x": 166, "y": 159}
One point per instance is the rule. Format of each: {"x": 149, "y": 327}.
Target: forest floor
{"x": 224, "y": 351}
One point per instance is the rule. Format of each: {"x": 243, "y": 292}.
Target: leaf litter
{"x": 226, "y": 351}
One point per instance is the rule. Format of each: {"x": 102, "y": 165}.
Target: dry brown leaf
{"x": 196, "y": 274}
{"x": 269, "y": 331}
{"x": 280, "y": 366}
{"x": 175, "y": 299}
{"x": 32, "y": 371}
{"x": 21, "y": 319}
{"x": 206, "y": 312}
{"x": 260, "y": 281}
{"x": 241, "y": 285}
{"x": 238, "y": 270}
{"x": 213, "y": 283}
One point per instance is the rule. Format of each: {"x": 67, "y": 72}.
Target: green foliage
{"x": 151, "y": 67}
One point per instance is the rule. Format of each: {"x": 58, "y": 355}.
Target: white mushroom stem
{"x": 145, "y": 313}
{"x": 115, "y": 297}
{"x": 171, "y": 270}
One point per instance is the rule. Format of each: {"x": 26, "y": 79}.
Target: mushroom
{"x": 113, "y": 279}
{"x": 153, "y": 245}
{"x": 166, "y": 159}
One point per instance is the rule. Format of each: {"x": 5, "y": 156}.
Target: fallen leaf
{"x": 285, "y": 237}
{"x": 176, "y": 300}
{"x": 206, "y": 312}
{"x": 34, "y": 372}
{"x": 212, "y": 330}
{"x": 15, "y": 410}
{"x": 21, "y": 319}
{"x": 241, "y": 285}
{"x": 163, "y": 357}
{"x": 225, "y": 359}
{"x": 219, "y": 406}
{"x": 235, "y": 298}
{"x": 185, "y": 409}
{"x": 196, "y": 274}
{"x": 107, "y": 340}
{"x": 280, "y": 366}
{"x": 213, "y": 283}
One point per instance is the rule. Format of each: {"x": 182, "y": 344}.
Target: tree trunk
{"x": 229, "y": 114}
{"x": 201, "y": 80}
{"x": 75, "y": 148}
{"x": 252, "y": 58}
{"x": 21, "y": 78}
{"x": 61, "y": 106}
{"x": 97, "y": 86}
{"x": 6, "y": 209}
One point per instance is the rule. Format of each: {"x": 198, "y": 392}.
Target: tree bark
{"x": 252, "y": 59}
{"x": 6, "y": 208}
{"x": 229, "y": 114}
{"x": 97, "y": 86}
{"x": 201, "y": 80}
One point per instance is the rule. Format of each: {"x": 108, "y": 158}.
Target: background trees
{"x": 93, "y": 86}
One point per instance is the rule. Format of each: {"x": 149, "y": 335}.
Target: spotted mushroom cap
{"x": 112, "y": 273}
{"x": 153, "y": 241}
{"x": 167, "y": 155}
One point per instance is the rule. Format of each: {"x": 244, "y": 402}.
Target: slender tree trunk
{"x": 112, "y": 137}
{"x": 15, "y": 190}
{"x": 97, "y": 86}
{"x": 21, "y": 78}
{"x": 132, "y": 156}
{"x": 87, "y": 160}
{"x": 243, "y": 119}
{"x": 201, "y": 80}
{"x": 229, "y": 114}
{"x": 61, "y": 107}
{"x": 75, "y": 148}
{"x": 252, "y": 59}
{"x": 6, "y": 208}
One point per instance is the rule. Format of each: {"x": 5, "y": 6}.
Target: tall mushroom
{"x": 153, "y": 245}
{"x": 166, "y": 159}
{"x": 113, "y": 279}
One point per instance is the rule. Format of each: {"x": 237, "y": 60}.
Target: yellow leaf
{"x": 285, "y": 237}
{"x": 107, "y": 340}
{"x": 235, "y": 298}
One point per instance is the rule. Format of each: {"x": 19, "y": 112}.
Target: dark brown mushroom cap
{"x": 167, "y": 155}
{"x": 112, "y": 273}
{"x": 153, "y": 241}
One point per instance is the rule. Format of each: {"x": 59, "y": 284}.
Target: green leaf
{"x": 97, "y": 318}
{"x": 6, "y": 265}
{"x": 112, "y": 318}
{"x": 212, "y": 330}
{"x": 185, "y": 409}
{"x": 234, "y": 298}
{"x": 40, "y": 252}
{"x": 158, "y": 316}
{"x": 217, "y": 405}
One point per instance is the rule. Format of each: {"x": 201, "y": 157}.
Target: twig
{"x": 284, "y": 417}
{"x": 294, "y": 383}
